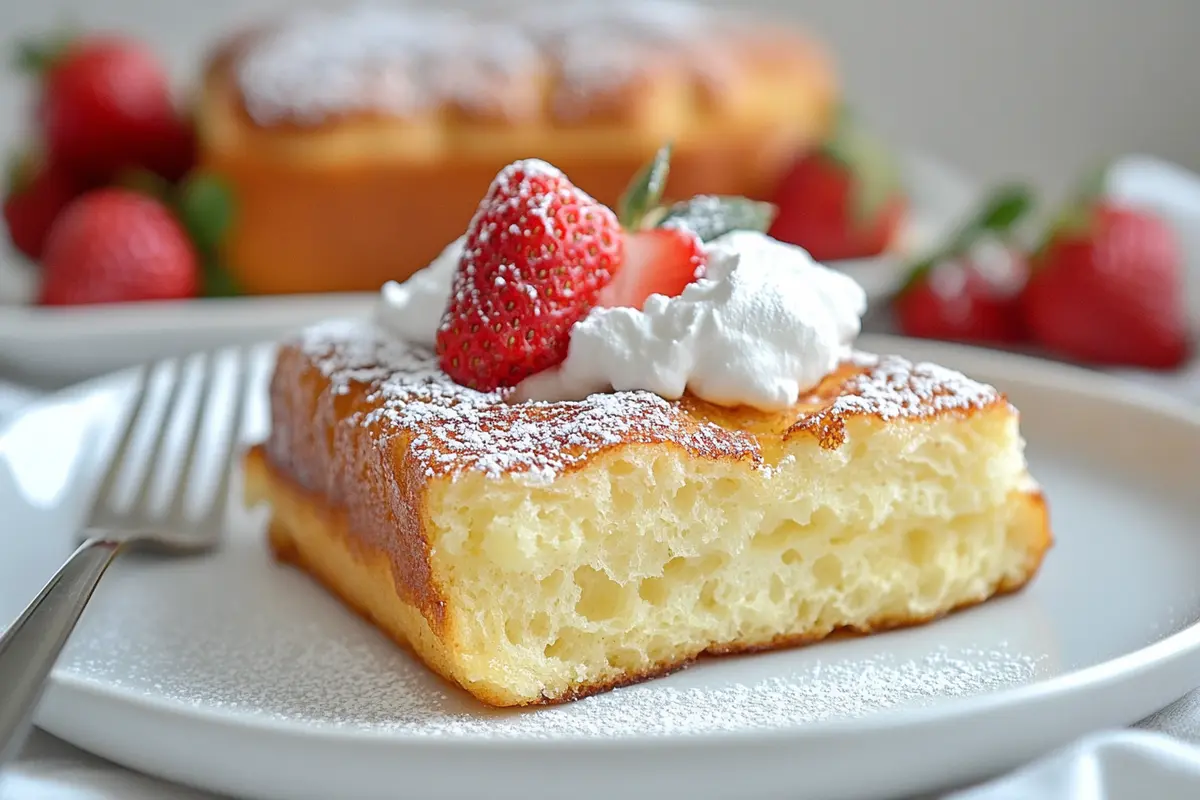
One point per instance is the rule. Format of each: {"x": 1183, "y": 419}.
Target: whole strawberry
{"x": 537, "y": 253}
{"x": 37, "y": 194}
{"x": 105, "y": 106}
{"x": 843, "y": 200}
{"x": 968, "y": 291}
{"x": 1106, "y": 288}
{"x": 116, "y": 245}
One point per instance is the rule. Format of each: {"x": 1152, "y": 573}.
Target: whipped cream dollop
{"x": 765, "y": 324}
{"x": 412, "y": 310}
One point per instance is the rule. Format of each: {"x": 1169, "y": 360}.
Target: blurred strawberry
{"x": 968, "y": 291}
{"x": 843, "y": 200}
{"x": 1106, "y": 287}
{"x": 37, "y": 192}
{"x": 105, "y": 105}
{"x": 117, "y": 245}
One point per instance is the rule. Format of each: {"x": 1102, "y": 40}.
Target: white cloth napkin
{"x": 1114, "y": 765}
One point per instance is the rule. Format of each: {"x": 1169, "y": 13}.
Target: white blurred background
{"x": 999, "y": 88}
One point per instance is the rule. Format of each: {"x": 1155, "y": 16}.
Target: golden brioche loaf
{"x": 358, "y": 141}
{"x": 535, "y": 553}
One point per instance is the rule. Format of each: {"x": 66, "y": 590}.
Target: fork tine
{"x": 188, "y": 466}
{"x": 142, "y": 499}
{"x": 102, "y": 498}
{"x": 220, "y": 501}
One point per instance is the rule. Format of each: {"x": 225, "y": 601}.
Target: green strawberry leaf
{"x": 216, "y": 281}
{"x": 20, "y": 168}
{"x": 1001, "y": 210}
{"x": 206, "y": 207}
{"x": 645, "y": 190}
{"x": 38, "y": 56}
{"x": 875, "y": 176}
{"x": 1075, "y": 216}
{"x": 710, "y": 216}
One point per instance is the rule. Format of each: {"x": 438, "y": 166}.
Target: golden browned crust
{"x": 398, "y": 390}
{"x": 348, "y": 199}
{"x": 309, "y": 533}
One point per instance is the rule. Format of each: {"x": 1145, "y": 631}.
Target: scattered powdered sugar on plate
{"x": 272, "y": 646}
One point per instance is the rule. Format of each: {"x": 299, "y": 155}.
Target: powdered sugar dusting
{"x": 406, "y": 60}
{"x": 453, "y": 429}
{"x": 892, "y": 388}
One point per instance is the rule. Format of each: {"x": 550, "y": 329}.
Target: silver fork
{"x": 30, "y": 647}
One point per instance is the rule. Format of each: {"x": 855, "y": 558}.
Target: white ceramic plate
{"x": 236, "y": 675}
{"x": 58, "y": 346}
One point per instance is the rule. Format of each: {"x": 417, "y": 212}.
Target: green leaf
{"x": 997, "y": 215}
{"x": 217, "y": 281}
{"x": 1005, "y": 208}
{"x": 1000, "y": 211}
{"x": 206, "y": 207}
{"x": 20, "y": 168}
{"x": 37, "y": 56}
{"x": 645, "y": 190}
{"x": 710, "y": 216}
{"x": 918, "y": 270}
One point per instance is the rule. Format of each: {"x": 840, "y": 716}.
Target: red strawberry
{"x": 537, "y": 254}
{"x": 1107, "y": 288}
{"x": 37, "y": 193}
{"x": 657, "y": 261}
{"x": 841, "y": 201}
{"x": 968, "y": 291}
{"x": 170, "y": 147}
{"x": 116, "y": 245}
{"x": 105, "y": 105}
{"x": 958, "y": 301}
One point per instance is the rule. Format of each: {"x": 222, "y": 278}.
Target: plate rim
{"x": 1127, "y": 667}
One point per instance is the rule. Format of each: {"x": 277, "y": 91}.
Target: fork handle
{"x": 30, "y": 647}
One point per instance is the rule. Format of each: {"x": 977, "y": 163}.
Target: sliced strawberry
{"x": 537, "y": 254}
{"x": 657, "y": 261}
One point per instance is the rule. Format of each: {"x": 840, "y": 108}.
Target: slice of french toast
{"x": 540, "y": 552}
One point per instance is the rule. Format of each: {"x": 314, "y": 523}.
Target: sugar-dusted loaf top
{"x": 453, "y": 429}
{"x": 562, "y": 60}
